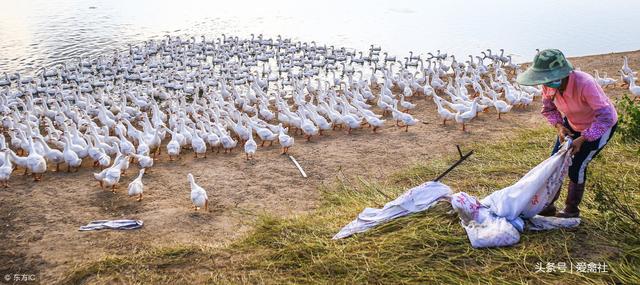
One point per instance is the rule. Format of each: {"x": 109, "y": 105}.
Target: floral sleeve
{"x": 550, "y": 111}
{"x": 604, "y": 112}
{"x": 604, "y": 120}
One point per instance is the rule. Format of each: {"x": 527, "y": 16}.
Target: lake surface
{"x": 37, "y": 33}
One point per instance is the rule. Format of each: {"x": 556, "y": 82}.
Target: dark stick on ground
{"x": 462, "y": 158}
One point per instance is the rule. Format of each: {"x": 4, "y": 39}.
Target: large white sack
{"x": 483, "y": 228}
{"x": 414, "y": 200}
{"x": 494, "y": 232}
{"x": 534, "y": 191}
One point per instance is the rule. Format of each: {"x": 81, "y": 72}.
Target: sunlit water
{"x": 37, "y": 33}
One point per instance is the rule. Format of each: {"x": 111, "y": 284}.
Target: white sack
{"x": 483, "y": 228}
{"x": 532, "y": 192}
{"x": 494, "y": 232}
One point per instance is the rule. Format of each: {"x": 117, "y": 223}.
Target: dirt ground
{"x": 40, "y": 220}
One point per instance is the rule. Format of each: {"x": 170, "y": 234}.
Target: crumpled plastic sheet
{"x": 498, "y": 219}
{"x": 112, "y": 225}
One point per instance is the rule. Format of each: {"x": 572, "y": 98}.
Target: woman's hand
{"x": 576, "y": 145}
{"x": 563, "y": 132}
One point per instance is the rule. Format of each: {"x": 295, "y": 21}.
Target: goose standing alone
{"x": 6, "y": 169}
{"x": 136, "y": 187}
{"x": 198, "y": 195}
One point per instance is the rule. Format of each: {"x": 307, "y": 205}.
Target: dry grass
{"x": 428, "y": 247}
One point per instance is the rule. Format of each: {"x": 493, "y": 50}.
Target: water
{"x": 36, "y": 33}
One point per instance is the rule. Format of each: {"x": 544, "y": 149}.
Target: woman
{"x": 576, "y": 105}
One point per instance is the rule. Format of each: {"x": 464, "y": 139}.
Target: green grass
{"x": 428, "y": 247}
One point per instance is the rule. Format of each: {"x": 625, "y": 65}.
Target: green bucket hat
{"x": 548, "y": 65}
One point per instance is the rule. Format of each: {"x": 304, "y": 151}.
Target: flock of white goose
{"x": 206, "y": 95}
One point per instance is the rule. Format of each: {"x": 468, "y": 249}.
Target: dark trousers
{"x": 589, "y": 150}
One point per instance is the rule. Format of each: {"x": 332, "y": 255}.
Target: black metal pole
{"x": 462, "y": 158}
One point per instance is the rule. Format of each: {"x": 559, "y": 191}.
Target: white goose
{"x": 70, "y": 157}
{"x": 285, "y": 140}
{"x": 143, "y": 161}
{"x": 443, "y": 112}
{"x": 626, "y": 68}
{"x": 6, "y": 169}
{"x": 198, "y": 144}
{"x": 136, "y": 187}
{"x": 52, "y": 155}
{"x": 467, "y": 116}
{"x": 406, "y": 105}
{"x": 109, "y": 177}
{"x": 307, "y": 127}
{"x": 250, "y": 147}
{"x": 198, "y": 195}
{"x": 374, "y": 122}
{"x": 626, "y": 78}
{"x": 35, "y": 162}
{"x": 173, "y": 147}
{"x": 501, "y": 106}
{"x": 265, "y": 134}
{"x": 405, "y": 118}
{"x": 604, "y": 81}
{"x": 634, "y": 89}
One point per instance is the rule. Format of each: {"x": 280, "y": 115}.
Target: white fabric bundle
{"x": 496, "y": 220}
{"x": 414, "y": 200}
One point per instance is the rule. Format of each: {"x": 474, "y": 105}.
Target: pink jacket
{"x": 587, "y": 109}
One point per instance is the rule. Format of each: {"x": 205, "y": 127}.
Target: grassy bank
{"x": 428, "y": 247}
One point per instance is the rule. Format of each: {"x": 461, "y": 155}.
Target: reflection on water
{"x": 35, "y": 33}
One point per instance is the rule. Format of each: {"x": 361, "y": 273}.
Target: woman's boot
{"x": 574, "y": 197}
{"x": 550, "y": 209}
